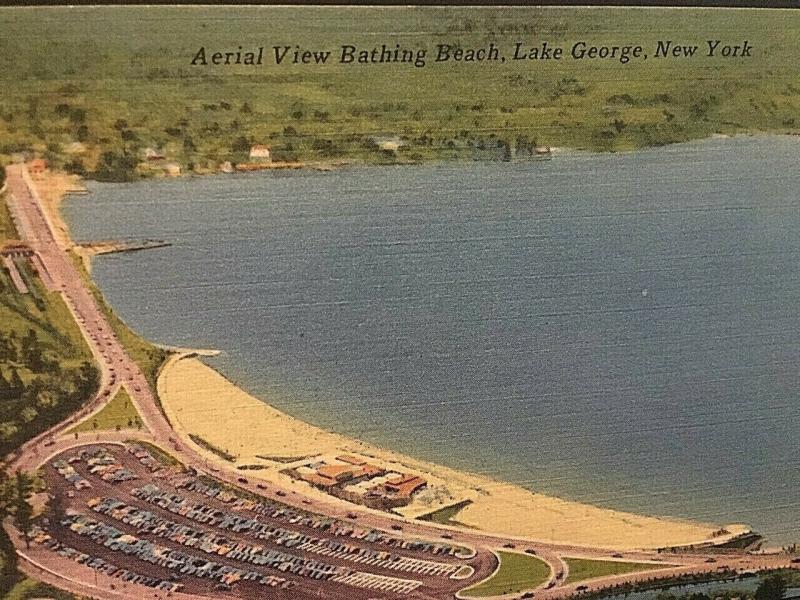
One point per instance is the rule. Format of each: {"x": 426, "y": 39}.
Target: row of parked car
{"x": 280, "y": 536}
{"x": 69, "y": 473}
{"x": 102, "y": 463}
{"x": 179, "y": 563}
{"x": 95, "y": 562}
{"x": 147, "y": 522}
{"x": 145, "y": 458}
{"x": 278, "y": 510}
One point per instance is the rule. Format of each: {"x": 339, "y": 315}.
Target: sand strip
{"x": 199, "y": 400}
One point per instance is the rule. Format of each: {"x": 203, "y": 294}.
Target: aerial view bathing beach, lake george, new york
{"x": 399, "y": 302}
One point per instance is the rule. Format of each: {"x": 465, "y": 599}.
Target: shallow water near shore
{"x": 615, "y": 329}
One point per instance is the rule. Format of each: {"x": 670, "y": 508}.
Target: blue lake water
{"x": 714, "y": 589}
{"x": 618, "y": 329}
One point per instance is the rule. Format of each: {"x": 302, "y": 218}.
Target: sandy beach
{"x": 200, "y": 401}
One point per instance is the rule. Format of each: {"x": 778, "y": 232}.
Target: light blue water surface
{"x": 617, "y": 329}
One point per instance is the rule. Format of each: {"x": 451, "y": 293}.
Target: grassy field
{"x": 119, "y": 413}
{"x": 118, "y": 80}
{"x": 581, "y": 569}
{"x": 516, "y": 573}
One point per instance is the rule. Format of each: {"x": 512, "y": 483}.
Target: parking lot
{"x": 118, "y": 510}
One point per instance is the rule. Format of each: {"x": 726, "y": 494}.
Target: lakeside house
{"x": 390, "y": 146}
{"x": 404, "y": 486}
{"x": 260, "y": 153}
{"x": 354, "y": 479}
{"x": 152, "y": 154}
{"x": 37, "y": 166}
{"x": 75, "y": 148}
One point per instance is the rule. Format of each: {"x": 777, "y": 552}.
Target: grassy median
{"x": 119, "y": 413}
{"x": 581, "y": 569}
{"x": 516, "y": 573}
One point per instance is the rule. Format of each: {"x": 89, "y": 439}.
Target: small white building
{"x": 390, "y": 145}
{"x": 75, "y": 148}
{"x": 153, "y": 154}
{"x": 260, "y": 152}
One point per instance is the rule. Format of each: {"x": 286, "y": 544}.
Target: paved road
{"x": 119, "y": 369}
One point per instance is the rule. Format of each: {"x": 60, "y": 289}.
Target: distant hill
{"x": 92, "y": 89}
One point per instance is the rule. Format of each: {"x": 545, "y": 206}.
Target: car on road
{"x": 710, "y": 560}
{"x": 581, "y": 588}
{"x": 447, "y": 536}
{"x": 509, "y": 545}
{"x": 397, "y": 527}
{"x": 616, "y": 555}
{"x": 530, "y": 551}
{"x": 242, "y": 480}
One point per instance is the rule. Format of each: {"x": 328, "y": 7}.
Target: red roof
{"x": 315, "y": 479}
{"x": 350, "y": 459}
{"x": 408, "y": 485}
{"x": 335, "y": 471}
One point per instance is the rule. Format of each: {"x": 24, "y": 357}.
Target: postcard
{"x": 399, "y": 302}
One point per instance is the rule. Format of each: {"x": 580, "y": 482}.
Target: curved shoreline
{"x": 494, "y": 506}
{"x": 197, "y": 399}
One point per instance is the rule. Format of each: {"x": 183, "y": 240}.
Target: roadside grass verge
{"x": 223, "y": 454}
{"x": 7, "y": 229}
{"x": 119, "y": 413}
{"x": 581, "y": 569}
{"x": 28, "y": 589}
{"x": 446, "y": 515}
{"x": 516, "y": 573}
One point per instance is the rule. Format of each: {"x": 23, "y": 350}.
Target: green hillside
{"x": 119, "y": 80}
{"x": 46, "y": 369}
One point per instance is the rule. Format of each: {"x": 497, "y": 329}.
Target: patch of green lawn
{"x": 27, "y": 589}
{"x": 581, "y": 569}
{"x": 516, "y": 573}
{"x": 118, "y": 414}
{"x": 446, "y": 515}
